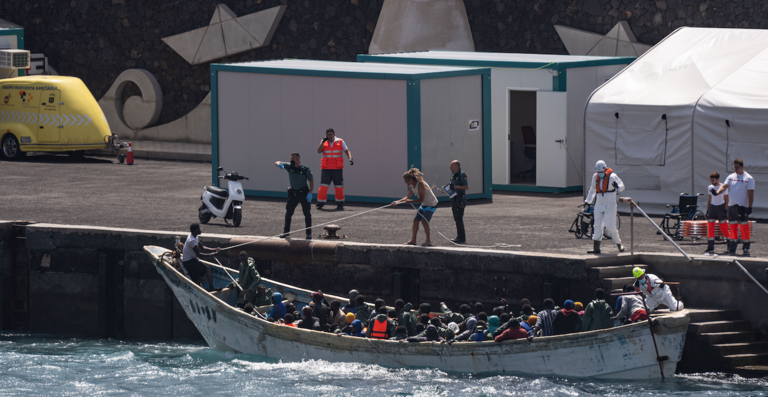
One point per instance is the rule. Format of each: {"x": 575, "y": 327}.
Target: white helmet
{"x": 600, "y": 166}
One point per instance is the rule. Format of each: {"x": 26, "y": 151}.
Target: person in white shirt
{"x": 716, "y": 211}
{"x": 190, "y": 257}
{"x": 741, "y": 195}
{"x": 605, "y": 184}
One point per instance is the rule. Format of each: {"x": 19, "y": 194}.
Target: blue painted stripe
{"x": 487, "y": 136}
{"x": 215, "y": 127}
{"x": 413, "y": 107}
{"x": 19, "y": 33}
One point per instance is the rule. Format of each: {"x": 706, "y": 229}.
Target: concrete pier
{"x": 97, "y": 281}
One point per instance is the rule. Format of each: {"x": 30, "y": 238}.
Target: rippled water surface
{"x": 50, "y": 365}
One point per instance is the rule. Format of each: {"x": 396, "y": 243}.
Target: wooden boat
{"x": 625, "y": 352}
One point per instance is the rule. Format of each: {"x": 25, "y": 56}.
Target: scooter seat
{"x": 217, "y": 191}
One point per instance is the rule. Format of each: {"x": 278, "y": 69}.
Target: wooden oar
{"x": 226, "y": 270}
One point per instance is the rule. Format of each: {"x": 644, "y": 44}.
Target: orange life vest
{"x": 379, "y": 330}
{"x": 603, "y": 187}
{"x": 332, "y": 153}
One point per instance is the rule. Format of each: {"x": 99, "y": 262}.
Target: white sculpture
{"x": 227, "y": 35}
{"x": 619, "y": 41}
{"x": 135, "y": 118}
{"x": 422, "y": 25}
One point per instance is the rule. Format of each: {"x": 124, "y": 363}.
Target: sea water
{"x": 63, "y": 366}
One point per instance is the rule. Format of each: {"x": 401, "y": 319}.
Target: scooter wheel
{"x": 120, "y": 158}
{"x": 237, "y": 217}
{"x": 204, "y": 217}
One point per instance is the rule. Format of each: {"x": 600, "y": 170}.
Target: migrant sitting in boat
{"x": 356, "y": 318}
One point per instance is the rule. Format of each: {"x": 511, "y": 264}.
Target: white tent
{"x": 689, "y": 106}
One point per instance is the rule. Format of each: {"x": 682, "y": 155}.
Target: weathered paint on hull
{"x": 623, "y": 353}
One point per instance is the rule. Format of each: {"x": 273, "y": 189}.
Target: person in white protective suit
{"x": 605, "y": 184}
{"x": 655, "y": 291}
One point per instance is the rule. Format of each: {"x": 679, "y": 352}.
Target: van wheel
{"x": 78, "y": 154}
{"x": 11, "y": 149}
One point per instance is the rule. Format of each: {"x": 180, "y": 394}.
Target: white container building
{"x": 392, "y": 117}
{"x": 544, "y": 94}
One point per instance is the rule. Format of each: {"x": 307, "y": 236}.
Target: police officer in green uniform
{"x": 298, "y": 176}
{"x": 459, "y": 201}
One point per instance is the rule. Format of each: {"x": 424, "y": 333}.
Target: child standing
{"x": 716, "y": 211}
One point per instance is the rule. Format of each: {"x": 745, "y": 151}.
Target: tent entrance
{"x": 521, "y": 135}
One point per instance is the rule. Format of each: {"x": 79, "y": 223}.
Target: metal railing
{"x": 632, "y": 206}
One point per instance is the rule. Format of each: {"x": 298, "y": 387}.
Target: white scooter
{"x": 227, "y": 204}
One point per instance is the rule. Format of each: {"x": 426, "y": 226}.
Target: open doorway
{"x": 522, "y": 137}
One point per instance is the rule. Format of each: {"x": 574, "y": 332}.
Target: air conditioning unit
{"x": 14, "y": 59}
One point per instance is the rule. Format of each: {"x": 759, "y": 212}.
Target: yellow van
{"x": 50, "y": 114}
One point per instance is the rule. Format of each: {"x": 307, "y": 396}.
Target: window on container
{"x": 641, "y": 138}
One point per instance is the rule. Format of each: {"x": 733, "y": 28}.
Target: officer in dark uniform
{"x": 298, "y": 176}
{"x": 459, "y": 201}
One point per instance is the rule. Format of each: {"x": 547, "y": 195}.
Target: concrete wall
{"x": 95, "y": 282}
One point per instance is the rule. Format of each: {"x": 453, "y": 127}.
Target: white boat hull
{"x": 625, "y": 352}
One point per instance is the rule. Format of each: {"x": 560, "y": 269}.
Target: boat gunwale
{"x": 667, "y": 322}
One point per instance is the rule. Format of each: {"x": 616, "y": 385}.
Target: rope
{"x": 226, "y": 270}
{"x": 573, "y": 162}
{"x": 497, "y": 245}
{"x": 306, "y": 228}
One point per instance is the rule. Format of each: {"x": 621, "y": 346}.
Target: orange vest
{"x": 332, "y": 153}
{"x": 602, "y": 188}
{"x": 379, "y": 330}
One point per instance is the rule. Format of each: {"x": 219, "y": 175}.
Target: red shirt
{"x": 512, "y": 333}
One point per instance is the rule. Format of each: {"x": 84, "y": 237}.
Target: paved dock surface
{"x": 165, "y": 195}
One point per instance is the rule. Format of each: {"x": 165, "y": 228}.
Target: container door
{"x": 49, "y": 121}
{"x": 552, "y": 126}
